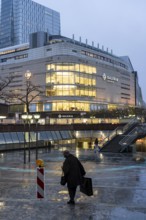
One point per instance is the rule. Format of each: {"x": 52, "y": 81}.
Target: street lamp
{"x": 28, "y": 75}
{"x": 36, "y": 117}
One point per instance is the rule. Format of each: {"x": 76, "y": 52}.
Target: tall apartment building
{"x": 19, "y": 18}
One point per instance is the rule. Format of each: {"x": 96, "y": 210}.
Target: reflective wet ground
{"x": 119, "y": 185}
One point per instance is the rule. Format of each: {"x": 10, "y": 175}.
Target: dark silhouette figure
{"x": 96, "y": 142}
{"x": 73, "y": 171}
{"x": 96, "y": 150}
{"x": 49, "y": 146}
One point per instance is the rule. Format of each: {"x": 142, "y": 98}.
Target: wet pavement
{"x": 119, "y": 185}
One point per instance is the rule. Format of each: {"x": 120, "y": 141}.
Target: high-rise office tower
{"x": 19, "y": 18}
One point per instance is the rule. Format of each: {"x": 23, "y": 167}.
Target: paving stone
{"x": 118, "y": 185}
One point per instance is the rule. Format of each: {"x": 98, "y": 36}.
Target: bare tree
{"x": 25, "y": 96}
{"x": 4, "y": 84}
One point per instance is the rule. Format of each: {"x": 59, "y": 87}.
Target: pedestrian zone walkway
{"x": 119, "y": 185}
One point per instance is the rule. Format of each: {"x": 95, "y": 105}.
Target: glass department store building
{"x": 75, "y": 77}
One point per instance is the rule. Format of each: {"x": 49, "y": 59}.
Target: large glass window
{"x": 72, "y": 67}
{"x": 54, "y": 135}
{"x": 42, "y": 135}
{"x": 47, "y": 107}
{"x": 2, "y": 139}
{"x": 70, "y": 79}
{"x": 7, "y": 137}
{"x": 65, "y": 134}
{"x": 14, "y": 137}
{"x": 20, "y": 136}
{"x": 61, "y": 80}
{"x": 32, "y": 107}
{"x": 49, "y": 135}
{"x": 58, "y": 135}
{"x": 33, "y": 136}
{"x": 71, "y": 106}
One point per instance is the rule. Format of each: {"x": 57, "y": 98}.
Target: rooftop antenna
{"x": 86, "y": 42}
{"x": 73, "y": 37}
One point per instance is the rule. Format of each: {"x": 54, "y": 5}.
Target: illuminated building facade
{"x": 74, "y": 75}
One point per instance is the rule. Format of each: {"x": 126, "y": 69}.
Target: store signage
{"x": 83, "y": 113}
{"x": 109, "y": 78}
{"x": 65, "y": 116}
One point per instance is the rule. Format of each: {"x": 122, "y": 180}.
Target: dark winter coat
{"x": 73, "y": 171}
{"x": 96, "y": 142}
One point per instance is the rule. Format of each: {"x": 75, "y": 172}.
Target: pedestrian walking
{"x": 96, "y": 142}
{"x": 49, "y": 146}
{"x": 96, "y": 149}
{"x": 96, "y": 145}
{"x": 73, "y": 172}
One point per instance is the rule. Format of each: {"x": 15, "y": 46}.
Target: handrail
{"x": 114, "y": 133}
{"x": 109, "y": 137}
{"x": 126, "y": 141}
{"x": 127, "y": 138}
{"x": 129, "y": 124}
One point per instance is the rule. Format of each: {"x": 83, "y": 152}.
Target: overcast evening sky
{"x": 119, "y": 25}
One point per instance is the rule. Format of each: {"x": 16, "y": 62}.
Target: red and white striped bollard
{"x": 40, "y": 182}
{"x": 40, "y": 179}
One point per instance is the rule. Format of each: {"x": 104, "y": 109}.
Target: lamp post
{"x": 36, "y": 117}
{"x": 27, "y": 119}
{"x": 24, "y": 120}
{"x": 27, "y": 75}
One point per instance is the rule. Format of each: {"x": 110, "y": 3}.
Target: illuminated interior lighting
{"x": 63, "y": 73}
{"x": 64, "y": 86}
{"x": 77, "y": 134}
{"x": 77, "y": 152}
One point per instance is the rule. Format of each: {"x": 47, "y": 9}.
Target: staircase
{"x": 120, "y": 142}
{"x": 127, "y": 140}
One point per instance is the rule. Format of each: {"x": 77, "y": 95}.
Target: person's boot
{"x": 71, "y": 202}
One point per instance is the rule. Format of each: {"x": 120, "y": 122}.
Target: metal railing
{"x": 129, "y": 124}
{"x": 115, "y": 132}
{"x": 131, "y": 136}
{"x": 109, "y": 137}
